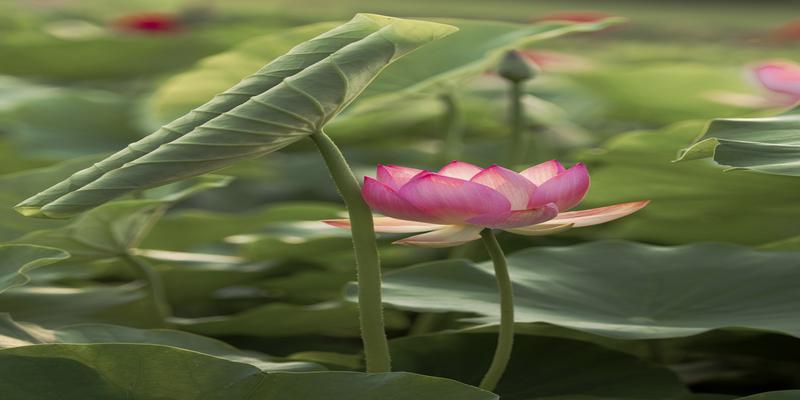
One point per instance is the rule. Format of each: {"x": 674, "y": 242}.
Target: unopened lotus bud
{"x": 515, "y": 67}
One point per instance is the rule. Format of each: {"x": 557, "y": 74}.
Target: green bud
{"x": 515, "y": 67}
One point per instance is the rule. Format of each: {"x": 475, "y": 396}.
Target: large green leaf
{"x": 540, "y": 367}
{"x": 16, "y": 334}
{"x": 146, "y": 372}
{"x": 690, "y": 201}
{"x": 770, "y": 145}
{"x": 285, "y": 101}
{"x": 17, "y": 259}
{"x": 618, "y": 289}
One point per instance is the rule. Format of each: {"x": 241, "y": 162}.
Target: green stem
{"x": 376, "y": 347}
{"x": 505, "y": 336}
{"x": 155, "y": 285}
{"x": 518, "y": 148}
{"x": 454, "y": 129}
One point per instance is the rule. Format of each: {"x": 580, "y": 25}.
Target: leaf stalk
{"x": 368, "y": 267}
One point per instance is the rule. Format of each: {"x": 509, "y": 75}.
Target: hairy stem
{"x": 518, "y": 147}
{"x": 505, "y": 337}
{"x": 148, "y": 274}
{"x": 454, "y": 129}
{"x": 376, "y": 347}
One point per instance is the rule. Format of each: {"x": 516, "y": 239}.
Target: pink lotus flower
{"x": 453, "y": 205}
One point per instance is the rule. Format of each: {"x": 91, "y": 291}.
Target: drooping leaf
{"x": 286, "y": 101}
{"x": 144, "y": 372}
{"x": 618, "y": 289}
{"x": 16, "y": 334}
{"x": 17, "y": 259}
{"x": 770, "y": 145}
{"x": 115, "y": 228}
{"x": 17, "y": 186}
{"x": 540, "y": 367}
{"x": 690, "y": 201}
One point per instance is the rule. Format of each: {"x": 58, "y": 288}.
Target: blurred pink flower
{"x": 148, "y": 22}
{"x": 555, "y": 61}
{"x": 780, "y": 77}
{"x": 454, "y": 204}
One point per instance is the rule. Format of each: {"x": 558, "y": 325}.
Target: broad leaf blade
{"x": 16, "y": 334}
{"x": 540, "y": 367}
{"x": 140, "y": 372}
{"x": 618, "y": 289}
{"x": 770, "y": 145}
{"x": 299, "y": 97}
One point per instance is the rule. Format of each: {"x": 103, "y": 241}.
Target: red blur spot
{"x": 789, "y": 31}
{"x": 148, "y": 22}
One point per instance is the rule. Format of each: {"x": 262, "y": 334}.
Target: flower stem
{"x": 376, "y": 347}
{"x": 505, "y": 338}
{"x": 518, "y": 147}
{"x": 454, "y": 129}
{"x": 148, "y": 274}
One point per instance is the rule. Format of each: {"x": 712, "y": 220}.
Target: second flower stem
{"x": 368, "y": 266}
{"x": 518, "y": 148}
{"x": 454, "y": 128}
{"x": 505, "y": 336}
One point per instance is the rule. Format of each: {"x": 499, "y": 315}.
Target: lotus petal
{"x": 447, "y": 237}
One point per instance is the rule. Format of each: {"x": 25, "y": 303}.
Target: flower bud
{"x": 515, "y": 67}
